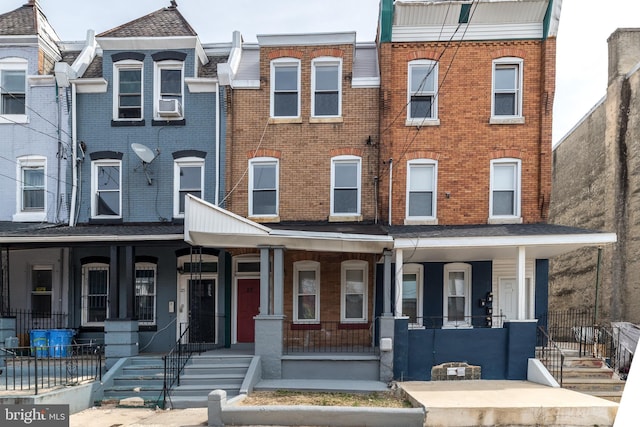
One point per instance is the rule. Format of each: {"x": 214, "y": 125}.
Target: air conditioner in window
{"x": 169, "y": 108}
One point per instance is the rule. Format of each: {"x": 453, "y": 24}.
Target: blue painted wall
{"x": 142, "y": 202}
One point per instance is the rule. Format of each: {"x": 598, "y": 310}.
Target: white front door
{"x": 508, "y": 296}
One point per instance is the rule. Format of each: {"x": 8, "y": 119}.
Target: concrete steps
{"x": 205, "y": 373}
{"x": 142, "y": 376}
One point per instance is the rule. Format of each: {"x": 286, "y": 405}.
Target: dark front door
{"x": 202, "y": 310}
{"x": 248, "y": 308}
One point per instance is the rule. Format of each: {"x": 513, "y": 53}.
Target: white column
{"x": 520, "y": 277}
{"x": 398, "y": 299}
{"x": 386, "y": 311}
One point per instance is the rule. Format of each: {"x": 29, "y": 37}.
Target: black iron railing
{"x": 32, "y": 370}
{"x": 550, "y": 354}
{"x": 328, "y": 337}
{"x": 610, "y": 347}
{"x": 570, "y": 329}
{"x": 27, "y": 320}
{"x": 459, "y": 322}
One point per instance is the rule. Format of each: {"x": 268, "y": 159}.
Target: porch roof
{"x": 494, "y": 241}
{"x": 211, "y": 226}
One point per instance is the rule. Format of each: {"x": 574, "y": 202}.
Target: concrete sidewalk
{"x": 133, "y": 417}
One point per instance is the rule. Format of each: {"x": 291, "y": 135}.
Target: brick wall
{"x": 465, "y": 142}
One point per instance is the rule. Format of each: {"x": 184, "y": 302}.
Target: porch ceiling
{"x": 210, "y": 226}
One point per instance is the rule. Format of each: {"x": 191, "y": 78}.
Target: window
{"x": 188, "y": 179}
{"x": 306, "y": 295}
{"x": 41, "y": 288}
{"x": 129, "y": 89}
{"x": 354, "y": 291}
{"x": 31, "y": 192}
{"x": 507, "y": 84}
{"x": 263, "y": 187}
{"x": 505, "y": 189}
{"x": 13, "y": 89}
{"x": 95, "y": 293}
{"x": 457, "y": 295}
{"x": 421, "y": 189}
{"x": 169, "y": 90}
{"x": 345, "y": 186}
{"x": 106, "y": 186}
{"x": 145, "y": 304}
{"x": 285, "y": 88}
{"x": 412, "y": 293}
{"x": 423, "y": 91}
{"x": 326, "y": 87}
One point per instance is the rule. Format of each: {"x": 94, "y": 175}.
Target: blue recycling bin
{"x": 60, "y": 342}
{"x": 39, "y": 339}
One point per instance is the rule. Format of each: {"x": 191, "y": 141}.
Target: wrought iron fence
{"x": 32, "y": 370}
{"x": 550, "y": 354}
{"x": 27, "y": 320}
{"x": 570, "y": 329}
{"x": 329, "y": 337}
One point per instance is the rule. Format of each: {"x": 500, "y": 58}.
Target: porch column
{"x": 398, "y": 299}
{"x": 113, "y": 300}
{"x": 386, "y": 284}
{"x": 264, "y": 281}
{"x": 278, "y": 281}
{"x": 520, "y": 277}
{"x": 128, "y": 266}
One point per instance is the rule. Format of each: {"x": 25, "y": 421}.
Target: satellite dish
{"x": 145, "y": 154}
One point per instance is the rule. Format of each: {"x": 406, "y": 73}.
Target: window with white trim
{"x": 422, "y": 91}
{"x": 263, "y": 186}
{"x": 421, "y": 189}
{"x": 169, "y": 90}
{"x": 412, "y": 284}
{"x": 188, "y": 178}
{"x": 345, "y": 185}
{"x": 106, "y": 181}
{"x": 285, "y": 88}
{"x": 504, "y": 202}
{"x": 506, "y": 101}
{"x": 95, "y": 293}
{"x": 326, "y": 87}
{"x": 354, "y": 282}
{"x": 457, "y": 295}
{"x": 306, "y": 292}
{"x": 145, "y": 303}
{"x": 32, "y": 189}
{"x": 128, "y": 90}
{"x": 41, "y": 290}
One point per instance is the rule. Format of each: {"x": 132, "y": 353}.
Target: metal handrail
{"x": 174, "y": 363}
{"x": 615, "y": 354}
{"x": 549, "y": 352}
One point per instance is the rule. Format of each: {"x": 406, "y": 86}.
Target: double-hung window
{"x": 263, "y": 181}
{"x": 422, "y": 92}
{"x": 145, "y": 304}
{"x": 326, "y": 87}
{"x": 354, "y": 291}
{"x": 457, "y": 295}
{"x": 106, "y": 185}
{"x": 345, "y": 186}
{"x": 13, "y": 90}
{"x": 507, "y": 88}
{"x": 169, "y": 85}
{"x": 421, "y": 190}
{"x": 504, "y": 201}
{"x": 128, "y": 102}
{"x": 41, "y": 290}
{"x": 188, "y": 178}
{"x": 32, "y": 190}
{"x": 95, "y": 293}
{"x": 306, "y": 292}
{"x": 412, "y": 275}
{"x": 285, "y": 88}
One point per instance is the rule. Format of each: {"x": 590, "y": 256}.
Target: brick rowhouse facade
{"x": 465, "y": 142}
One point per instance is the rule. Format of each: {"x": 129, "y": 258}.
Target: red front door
{"x": 248, "y": 307}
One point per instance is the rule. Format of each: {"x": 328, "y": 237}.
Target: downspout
{"x": 74, "y": 158}
{"x": 218, "y": 136}
{"x": 390, "y": 187}
{"x": 59, "y": 178}
{"x": 595, "y": 308}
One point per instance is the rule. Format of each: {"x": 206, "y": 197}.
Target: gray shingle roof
{"x": 166, "y": 22}
{"x": 484, "y": 230}
{"x": 210, "y": 69}
{"x": 19, "y": 22}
